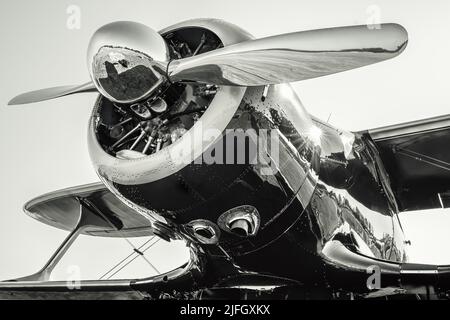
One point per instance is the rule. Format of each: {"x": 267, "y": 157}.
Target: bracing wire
{"x": 124, "y": 259}
{"x": 120, "y": 231}
{"x": 134, "y": 258}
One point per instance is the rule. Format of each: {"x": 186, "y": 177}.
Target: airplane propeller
{"x": 127, "y": 61}
{"x": 293, "y": 56}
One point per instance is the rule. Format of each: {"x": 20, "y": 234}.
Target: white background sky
{"x": 44, "y": 144}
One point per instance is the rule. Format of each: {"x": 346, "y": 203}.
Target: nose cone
{"x": 127, "y": 61}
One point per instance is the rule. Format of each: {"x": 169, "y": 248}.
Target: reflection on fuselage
{"x": 351, "y": 190}
{"x": 325, "y": 186}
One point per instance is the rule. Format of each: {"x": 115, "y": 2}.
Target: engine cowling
{"x": 223, "y": 164}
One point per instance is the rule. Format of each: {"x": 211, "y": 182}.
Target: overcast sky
{"x": 44, "y": 144}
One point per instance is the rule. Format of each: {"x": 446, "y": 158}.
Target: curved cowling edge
{"x": 176, "y": 156}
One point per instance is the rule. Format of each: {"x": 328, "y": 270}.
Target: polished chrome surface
{"x": 293, "y": 56}
{"x": 327, "y": 189}
{"x": 347, "y": 221}
{"x": 277, "y": 181}
{"x": 325, "y": 205}
{"x": 170, "y": 160}
{"x": 204, "y": 231}
{"x": 51, "y": 93}
{"x": 243, "y": 220}
{"x": 353, "y": 201}
{"x": 127, "y": 61}
{"x": 164, "y": 187}
{"x": 177, "y": 155}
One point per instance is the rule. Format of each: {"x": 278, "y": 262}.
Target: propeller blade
{"x": 51, "y": 93}
{"x": 292, "y": 56}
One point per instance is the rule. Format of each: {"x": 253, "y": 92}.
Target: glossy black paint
{"x": 298, "y": 220}
{"x": 321, "y": 193}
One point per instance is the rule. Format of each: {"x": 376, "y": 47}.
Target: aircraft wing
{"x": 60, "y": 209}
{"x": 178, "y": 283}
{"x": 194, "y": 279}
{"x": 416, "y": 156}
